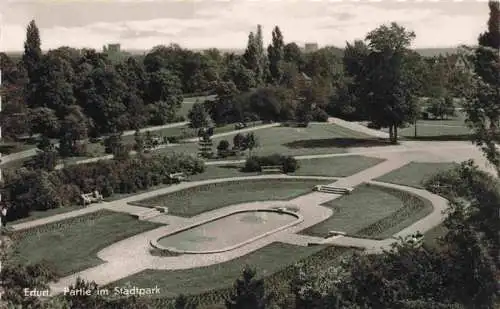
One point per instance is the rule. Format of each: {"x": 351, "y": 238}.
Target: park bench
{"x": 271, "y": 169}
{"x": 94, "y": 197}
{"x": 177, "y": 177}
{"x": 240, "y": 126}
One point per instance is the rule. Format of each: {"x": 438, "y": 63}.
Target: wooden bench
{"x": 177, "y": 177}
{"x": 271, "y": 169}
{"x": 94, "y": 197}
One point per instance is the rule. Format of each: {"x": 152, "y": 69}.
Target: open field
{"x": 318, "y": 138}
{"x": 273, "y": 261}
{"x": 371, "y": 212}
{"x": 193, "y": 201}
{"x": 453, "y": 128}
{"x": 338, "y": 167}
{"x": 78, "y": 240}
{"x": 414, "y": 173}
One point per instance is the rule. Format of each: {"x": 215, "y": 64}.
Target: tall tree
{"x": 388, "y": 86}
{"x": 32, "y": 49}
{"x": 254, "y": 56}
{"x": 482, "y": 108}
{"x": 198, "y": 116}
{"x": 275, "y": 53}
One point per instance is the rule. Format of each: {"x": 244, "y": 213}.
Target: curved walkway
{"x": 131, "y": 255}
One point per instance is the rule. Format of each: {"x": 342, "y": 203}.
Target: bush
{"x": 254, "y": 163}
{"x": 27, "y": 190}
{"x": 320, "y": 115}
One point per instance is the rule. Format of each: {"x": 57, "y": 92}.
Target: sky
{"x": 143, "y": 24}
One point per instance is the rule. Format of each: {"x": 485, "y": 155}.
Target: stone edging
{"x": 299, "y": 217}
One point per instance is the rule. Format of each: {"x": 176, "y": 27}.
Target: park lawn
{"x": 318, "y": 138}
{"x": 35, "y": 215}
{"x": 196, "y": 200}
{"x": 372, "y": 211}
{"x": 267, "y": 260}
{"x": 415, "y": 173}
{"x": 72, "y": 247}
{"x": 414, "y": 208}
{"x": 453, "y": 128}
{"x": 364, "y": 206}
{"x": 335, "y": 166}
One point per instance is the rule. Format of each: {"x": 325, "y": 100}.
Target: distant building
{"x": 310, "y": 47}
{"x": 112, "y": 48}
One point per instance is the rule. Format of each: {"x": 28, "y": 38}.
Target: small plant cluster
{"x": 28, "y": 190}
{"x": 255, "y": 163}
{"x": 241, "y": 142}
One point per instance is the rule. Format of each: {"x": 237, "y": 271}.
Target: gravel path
{"x": 309, "y": 207}
{"x": 131, "y": 255}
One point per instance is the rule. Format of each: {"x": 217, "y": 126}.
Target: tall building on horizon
{"x": 310, "y": 47}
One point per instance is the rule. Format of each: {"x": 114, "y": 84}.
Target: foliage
{"x": 249, "y": 292}
{"x": 481, "y": 105}
{"x": 198, "y": 116}
{"x": 254, "y": 163}
{"x": 441, "y": 107}
{"x": 27, "y": 190}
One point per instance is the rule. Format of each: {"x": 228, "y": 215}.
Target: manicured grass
{"x": 71, "y": 245}
{"x": 414, "y": 208}
{"x": 193, "y": 201}
{"x": 35, "y": 215}
{"x": 336, "y": 166}
{"x": 364, "y": 206}
{"x": 414, "y": 173}
{"x": 318, "y": 138}
{"x": 372, "y": 212}
{"x": 267, "y": 260}
{"x": 449, "y": 129}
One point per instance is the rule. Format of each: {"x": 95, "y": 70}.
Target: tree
{"x": 44, "y": 121}
{"x": 275, "y": 53}
{"x": 483, "y": 114}
{"x": 388, "y": 88}
{"x": 198, "y": 116}
{"x": 249, "y": 292}
{"x": 74, "y": 128}
{"x": 165, "y": 94}
{"x": 293, "y": 54}
{"x": 239, "y": 141}
{"x": 32, "y": 50}
{"x": 139, "y": 141}
{"x": 251, "y": 142}
{"x": 223, "y": 147}
{"x": 441, "y": 107}
{"x": 254, "y": 57}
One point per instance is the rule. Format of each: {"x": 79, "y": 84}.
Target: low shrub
{"x": 319, "y": 115}
{"x": 255, "y": 163}
{"x": 27, "y": 190}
